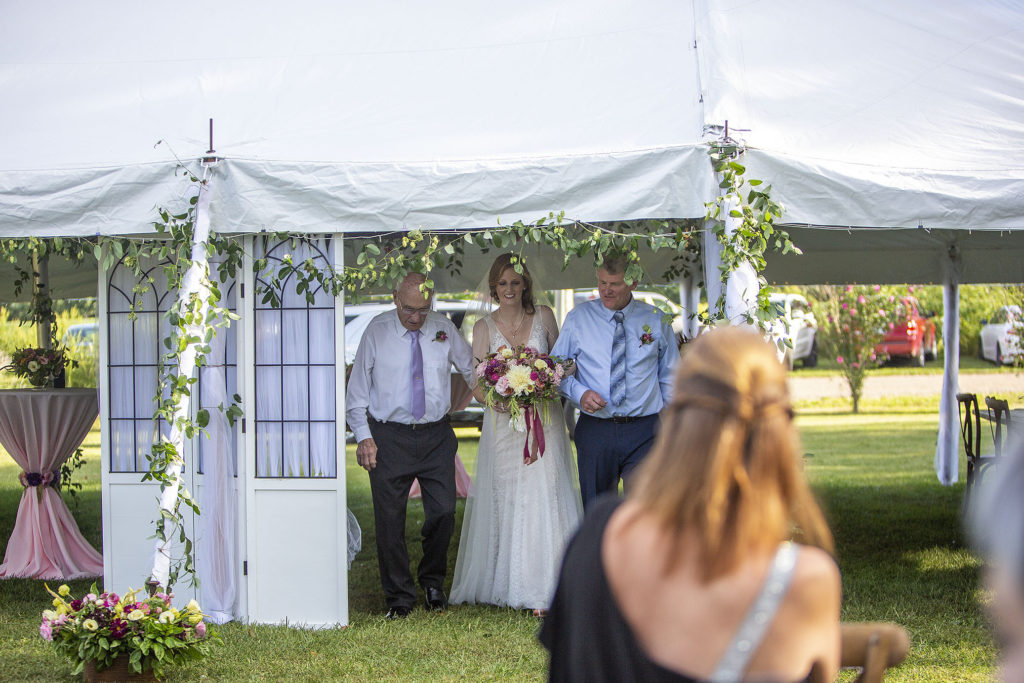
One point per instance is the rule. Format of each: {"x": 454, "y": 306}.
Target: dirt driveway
{"x": 1006, "y": 384}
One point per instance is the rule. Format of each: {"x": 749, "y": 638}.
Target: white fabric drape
{"x": 742, "y": 287}
{"x": 947, "y": 450}
{"x": 689, "y": 300}
{"x": 216, "y": 554}
{"x": 192, "y": 284}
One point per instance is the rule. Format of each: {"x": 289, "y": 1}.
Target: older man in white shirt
{"x": 397, "y": 403}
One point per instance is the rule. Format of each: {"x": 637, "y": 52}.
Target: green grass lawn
{"x": 972, "y": 364}
{"x": 899, "y": 546}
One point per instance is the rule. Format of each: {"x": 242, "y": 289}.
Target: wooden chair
{"x": 970, "y": 433}
{"x": 872, "y": 647}
{"x": 999, "y": 416}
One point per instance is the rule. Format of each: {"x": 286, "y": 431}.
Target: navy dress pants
{"x": 608, "y": 449}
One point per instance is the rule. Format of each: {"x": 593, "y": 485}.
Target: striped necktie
{"x": 618, "y": 375}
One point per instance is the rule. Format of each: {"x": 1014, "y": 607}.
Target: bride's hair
{"x": 500, "y": 265}
{"x": 726, "y": 466}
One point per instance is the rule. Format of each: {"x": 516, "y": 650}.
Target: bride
{"x": 520, "y": 516}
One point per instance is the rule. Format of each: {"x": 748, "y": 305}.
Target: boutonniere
{"x": 441, "y": 336}
{"x": 647, "y": 337}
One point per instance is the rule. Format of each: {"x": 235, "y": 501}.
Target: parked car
{"x": 81, "y": 336}
{"x": 1000, "y": 336}
{"x": 655, "y": 299}
{"x": 913, "y": 336}
{"x": 797, "y": 325}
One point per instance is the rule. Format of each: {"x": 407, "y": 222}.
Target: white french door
{"x": 295, "y": 524}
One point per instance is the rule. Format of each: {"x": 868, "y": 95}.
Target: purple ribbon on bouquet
{"x": 534, "y": 426}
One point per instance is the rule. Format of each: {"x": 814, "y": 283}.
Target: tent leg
{"x": 947, "y": 450}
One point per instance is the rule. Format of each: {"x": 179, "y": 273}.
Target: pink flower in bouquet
{"x": 501, "y": 386}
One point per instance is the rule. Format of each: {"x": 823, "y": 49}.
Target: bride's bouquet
{"x": 524, "y": 381}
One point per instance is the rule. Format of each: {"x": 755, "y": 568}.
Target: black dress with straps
{"x": 586, "y": 634}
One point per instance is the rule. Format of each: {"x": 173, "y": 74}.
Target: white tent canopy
{"x": 361, "y": 117}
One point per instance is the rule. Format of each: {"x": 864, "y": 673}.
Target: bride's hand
{"x": 500, "y": 407}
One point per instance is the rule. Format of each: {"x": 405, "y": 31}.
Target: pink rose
{"x": 45, "y": 630}
{"x": 849, "y": 288}
{"x": 839, "y": 359}
{"x": 878, "y": 288}
{"x": 856, "y": 365}
{"x": 201, "y": 629}
{"x": 861, "y": 299}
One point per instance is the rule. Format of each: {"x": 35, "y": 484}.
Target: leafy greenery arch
{"x": 385, "y": 259}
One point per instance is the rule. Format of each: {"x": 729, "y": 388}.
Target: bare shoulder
{"x": 816, "y": 584}
{"x": 547, "y": 316}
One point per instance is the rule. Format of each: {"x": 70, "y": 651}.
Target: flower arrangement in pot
{"x": 139, "y": 635}
{"x": 39, "y": 366}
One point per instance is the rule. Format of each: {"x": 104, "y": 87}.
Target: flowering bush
{"x": 523, "y": 381}
{"x": 99, "y": 628}
{"x": 38, "y": 366}
{"x": 855, "y": 319}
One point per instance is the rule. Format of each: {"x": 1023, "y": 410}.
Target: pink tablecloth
{"x": 41, "y": 428}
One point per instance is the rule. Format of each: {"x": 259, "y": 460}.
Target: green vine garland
{"x": 383, "y": 260}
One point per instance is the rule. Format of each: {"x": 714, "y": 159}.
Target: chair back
{"x": 872, "y": 647}
{"x": 970, "y": 426}
{"x": 999, "y": 416}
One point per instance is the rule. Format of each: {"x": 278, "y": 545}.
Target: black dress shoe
{"x": 437, "y": 601}
{"x": 397, "y": 613}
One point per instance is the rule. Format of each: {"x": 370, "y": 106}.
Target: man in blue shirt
{"x": 624, "y": 353}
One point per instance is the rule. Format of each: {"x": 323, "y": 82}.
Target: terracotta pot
{"x": 120, "y": 670}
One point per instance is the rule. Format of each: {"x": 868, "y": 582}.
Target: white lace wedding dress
{"x": 520, "y": 517}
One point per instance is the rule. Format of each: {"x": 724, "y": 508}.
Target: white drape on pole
{"x": 689, "y": 301}
{"x": 742, "y": 287}
{"x": 193, "y": 284}
{"x": 947, "y": 450}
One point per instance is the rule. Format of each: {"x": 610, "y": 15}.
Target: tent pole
{"x": 41, "y": 293}
{"x": 193, "y": 283}
{"x": 947, "y": 450}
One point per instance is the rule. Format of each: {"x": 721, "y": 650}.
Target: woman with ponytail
{"x": 717, "y": 565}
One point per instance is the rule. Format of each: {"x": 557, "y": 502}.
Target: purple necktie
{"x": 419, "y": 401}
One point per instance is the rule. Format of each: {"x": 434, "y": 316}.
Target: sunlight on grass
{"x": 899, "y": 545}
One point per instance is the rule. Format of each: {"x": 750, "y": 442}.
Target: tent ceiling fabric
{"x": 365, "y": 117}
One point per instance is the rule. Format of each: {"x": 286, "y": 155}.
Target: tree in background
{"x": 851, "y": 322}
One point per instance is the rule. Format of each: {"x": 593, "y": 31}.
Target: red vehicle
{"x": 913, "y": 336}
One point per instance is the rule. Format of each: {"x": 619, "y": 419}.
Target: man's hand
{"x": 366, "y": 454}
{"x": 591, "y": 401}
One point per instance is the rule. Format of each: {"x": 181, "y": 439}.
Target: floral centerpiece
{"x": 99, "y": 628}
{"x": 38, "y": 366}
{"x": 523, "y": 381}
